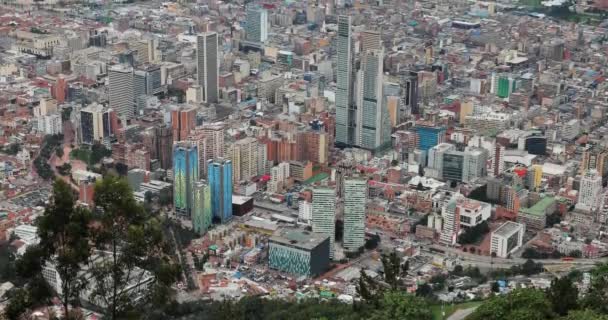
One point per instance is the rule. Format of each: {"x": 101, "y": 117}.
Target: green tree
{"x": 519, "y": 304}
{"x": 586, "y": 314}
{"x": 563, "y": 295}
{"x": 392, "y": 267}
{"x": 133, "y": 252}
{"x": 18, "y": 304}
{"x": 64, "y": 240}
{"x": 597, "y": 296}
{"x": 401, "y": 306}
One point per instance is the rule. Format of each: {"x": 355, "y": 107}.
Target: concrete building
{"x": 245, "y": 156}
{"x": 435, "y": 160}
{"x": 121, "y": 89}
{"x": 474, "y": 166}
{"x": 324, "y": 214}
{"x": 589, "y": 196}
{"x": 50, "y": 124}
{"x": 507, "y": 239}
{"x": 207, "y": 65}
{"x": 473, "y": 212}
{"x": 373, "y": 122}
{"x": 355, "y": 196}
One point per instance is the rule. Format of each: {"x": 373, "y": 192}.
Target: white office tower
{"x": 590, "y": 192}
{"x": 345, "y": 109}
{"x": 474, "y": 166}
{"x": 207, "y": 65}
{"x": 495, "y": 163}
{"x": 435, "y": 160}
{"x": 374, "y": 126}
{"x": 304, "y": 211}
{"x": 355, "y": 195}
{"x": 451, "y": 221}
{"x": 257, "y": 24}
{"x": 121, "y": 88}
{"x": 324, "y": 214}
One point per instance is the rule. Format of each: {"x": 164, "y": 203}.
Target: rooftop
{"x": 507, "y": 228}
{"x": 539, "y": 208}
{"x": 298, "y": 238}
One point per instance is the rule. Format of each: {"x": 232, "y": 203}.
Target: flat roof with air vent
{"x": 298, "y": 238}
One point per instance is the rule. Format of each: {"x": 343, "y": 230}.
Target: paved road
{"x": 461, "y": 314}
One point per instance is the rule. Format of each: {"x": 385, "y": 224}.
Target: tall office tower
{"x": 164, "y": 146}
{"x": 207, "y": 65}
{"x": 355, "y": 194}
{"x": 370, "y": 40}
{"x": 451, "y": 222}
{"x": 213, "y": 135}
{"x": 410, "y": 82}
{"x": 183, "y": 120}
{"x": 220, "y": 181}
{"x": 435, "y": 160}
{"x": 96, "y": 123}
{"x": 373, "y": 121}
{"x": 590, "y": 191}
{"x": 257, "y": 24}
{"x": 345, "y": 108}
{"x": 474, "y": 166}
{"x": 202, "y": 215}
{"x": 121, "y": 90}
{"x": 324, "y": 214}
{"x": 147, "y": 80}
{"x": 245, "y": 155}
{"x": 185, "y": 175}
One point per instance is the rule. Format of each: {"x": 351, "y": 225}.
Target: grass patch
{"x": 451, "y": 308}
{"x": 83, "y": 155}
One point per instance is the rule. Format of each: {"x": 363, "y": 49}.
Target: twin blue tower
{"x": 201, "y": 200}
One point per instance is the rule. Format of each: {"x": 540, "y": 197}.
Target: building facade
{"x": 324, "y": 214}
{"x": 220, "y": 182}
{"x": 185, "y": 175}
{"x": 355, "y": 195}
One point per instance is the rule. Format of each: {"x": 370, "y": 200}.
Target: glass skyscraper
{"x": 345, "y": 110}
{"x": 185, "y": 175}
{"x": 202, "y": 216}
{"x": 220, "y": 181}
{"x": 429, "y": 136}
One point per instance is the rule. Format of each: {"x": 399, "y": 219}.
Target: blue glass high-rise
{"x": 185, "y": 175}
{"x": 219, "y": 176}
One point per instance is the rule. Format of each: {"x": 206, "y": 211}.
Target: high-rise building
{"x": 220, "y": 182}
{"x": 595, "y": 157}
{"x": 507, "y": 238}
{"x": 370, "y": 40}
{"x": 453, "y": 163}
{"x": 60, "y": 89}
{"x": 429, "y": 136}
{"x": 50, "y": 124}
{"x": 451, "y": 221}
{"x": 95, "y": 123}
{"x": 185, "y": 175}
{"x": 324, "y": 214}
{"x": 373, "y": 121}
{"x": 474, "y": 165}
{"x": 355, "y": 194}
{"x": 121, "y": 90}
{"x": 213, "y": 136}
{"x": 435, "y": 160}
{"x": 257, "y": 24}
{"x": 164, "y": 146}
{"x": 590, "y": 192}
{"x": 207, "y": 65}
{"x": 183, "y": 120}
{"x": 410, "y": 82}
{"x": 345, "y": 108}
{"x": 202, "y": 215}
{"x": 245, "y": 155}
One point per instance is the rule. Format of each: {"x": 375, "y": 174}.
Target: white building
{"x": 27, "y": 233}
{"x": 451, "y": 225}
{"x": 507, "y": 238}
{"x": 278, "y": 175}
{"x": 589, "y": 195}
{"x": 355, "y": 196}
{"x": 571, "y": 129}
{"x": 474, "y": 165}
{"x": 50, "y": 124}
{"x": 304, "y": 211}
{"x": 473, "y": 212}
{"x": 121, "y": 89}
{"x": 324, "y": 214}
{"x": 435, "y": 164}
